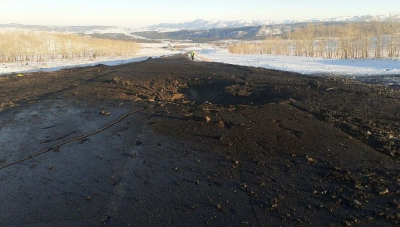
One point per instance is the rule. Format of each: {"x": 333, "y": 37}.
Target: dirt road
{"x": 215, "y": 145}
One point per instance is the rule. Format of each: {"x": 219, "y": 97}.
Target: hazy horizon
{"x": 140, "y": 13}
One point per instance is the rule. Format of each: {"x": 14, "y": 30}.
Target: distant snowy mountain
{"x": 201, "y": 24}
{"x": 50, "y": 28}
{"x": 198, "y": 30}
{"x": 112, "y": 32}
{"x": 93, "y": 29}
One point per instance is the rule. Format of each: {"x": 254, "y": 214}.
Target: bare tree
{"x": 351, "y": 40}
{"x": 38, "y": 46}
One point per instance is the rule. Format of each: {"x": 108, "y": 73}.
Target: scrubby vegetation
{"x": 352, "y": 40}
{"x": 40, "y": 46}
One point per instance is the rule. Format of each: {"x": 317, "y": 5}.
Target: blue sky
{"x": 136, "y": 13}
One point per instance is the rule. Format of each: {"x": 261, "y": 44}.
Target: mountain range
{"x": 198, "y": 24}
{"x": 51, "y": 28}
{"x": 198, "y": 30}
{"x": 201, "y": 24}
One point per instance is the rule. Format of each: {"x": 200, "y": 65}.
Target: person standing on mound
{"x": 192, "y": 54}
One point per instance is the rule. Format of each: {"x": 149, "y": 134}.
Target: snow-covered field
{"x": 153, "y": 50}
{"x": 382, "y": 70}
{"x": 307, "y": 65}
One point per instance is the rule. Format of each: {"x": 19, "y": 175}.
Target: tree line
{"x": 352, "y": 40}
{"x": 39, "y": 46}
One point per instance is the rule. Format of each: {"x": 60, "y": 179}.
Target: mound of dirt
{"x": 215, "y": 145}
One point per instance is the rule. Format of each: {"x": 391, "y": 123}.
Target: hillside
{"x": 201, "y": 24}
{"x": 242, "y": 33}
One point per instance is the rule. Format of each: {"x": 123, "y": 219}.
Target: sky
{"x": 140, "y": 13}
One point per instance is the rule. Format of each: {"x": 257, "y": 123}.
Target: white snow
{"x": 306, "y": 65}
{"x": 153, "y": 50}
{"x": 386, "y": 69}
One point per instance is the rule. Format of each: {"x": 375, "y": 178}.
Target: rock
{"x": 383, "y": 191}
{"x": 88, "y": 198}
{"x": 221, "y": 124}
{"x": 310, "y": 160}
{"x": 138, "y": 142}
{"x": 358, "y": 186}
{"x": 355, "y": 203}
{"x": 134, "y": 155}
{"x": 219, "y": 207}
{"x": 104, "y": 113}
{"x": 117, "y": 80}
{"x": 135, "y": 99}
{"x": 177, "y": 96}
{"x": 7, "y": 104}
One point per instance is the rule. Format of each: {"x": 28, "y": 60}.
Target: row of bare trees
{"x": 352, "y": 40}
{"x": 40, "y": 46}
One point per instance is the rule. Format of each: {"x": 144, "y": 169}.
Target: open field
{"x": 207, "y": 144}
{"x": 357, "y": 68}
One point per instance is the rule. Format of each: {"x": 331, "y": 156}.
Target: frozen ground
{"x": 307, "y": 65}
{"x": 148, "y": 50}
{"x": 375, "y": 71}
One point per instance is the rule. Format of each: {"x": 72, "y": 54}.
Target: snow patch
{"x": 154, "y": 50}
{"x": 355, "y": 68}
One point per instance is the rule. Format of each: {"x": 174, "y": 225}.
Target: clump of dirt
{"x": 6, "y": 104}
{"x": 117, "y": 80}
{"x": 147, "y": 90}
{"x": 224, "y": 91}
{"x": 239, "y": 90}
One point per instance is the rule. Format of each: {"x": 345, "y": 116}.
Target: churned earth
{"x": 171, "y": 142}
